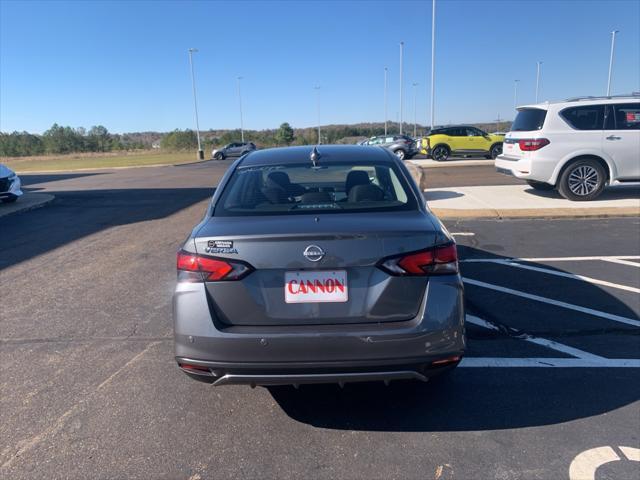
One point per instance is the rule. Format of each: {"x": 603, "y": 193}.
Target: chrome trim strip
{"x": 298, "y": 379}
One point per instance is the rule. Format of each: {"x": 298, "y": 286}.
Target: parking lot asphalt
{"x": 89, "y": 387}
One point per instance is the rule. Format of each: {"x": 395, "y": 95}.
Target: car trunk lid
{"x": 353, "y": 245}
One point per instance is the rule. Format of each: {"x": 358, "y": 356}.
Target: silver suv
{"x": 403, "y": 146}
{"x": 233, "y": 150}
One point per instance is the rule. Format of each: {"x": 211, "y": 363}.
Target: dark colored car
{"x": 314, "y": 265}
{"x": 403, "y": 146}
{"x": 232, "y": 150}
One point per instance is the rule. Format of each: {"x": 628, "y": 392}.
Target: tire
{"x": 9, "y": 199}
{"x": 401, "y": 154}
{"x": 218, "y": 156}
{"x": 440, "y": 153}
{"x": 495, "y": 150}
{"x": 582, "y": 180}
{"x": 540, "y": 185}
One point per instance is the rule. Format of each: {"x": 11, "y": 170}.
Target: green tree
{"x": 285, "y": 134}
{"x": 99, "y": 139}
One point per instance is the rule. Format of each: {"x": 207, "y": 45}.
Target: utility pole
{"x": 317, "y": 89}
{"x": 385, "y": 100}
{"x": 538, "y": 80}
{"x": 240, "y": 100}
{"x": 433, "y": 59}
{"x": 401, "y": 52}
{"x": 515, "y": 94}
{"x": 195, "y": 103}
{"x": 613, "y": 44}
{"x": 415, "y": 110}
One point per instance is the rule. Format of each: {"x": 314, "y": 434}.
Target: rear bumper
{"x": 320, "y": 353}
{"x": 267, "y": 374}
{"x": 540, "y": 170}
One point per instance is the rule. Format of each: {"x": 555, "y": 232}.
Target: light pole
{"x": 317, "y": 89}
{"x": 433, "y": 58}
{"x": 613, "y": 44}
{"x": 195, "y": 102}
{"x": 415, "y": 110}
{"x": 538, "y": 79}
{"x": 515, "y": 94}
{"x": 401, "y": 52}
{"x": 385, "y": 100}
{"x": 240, "y": 100}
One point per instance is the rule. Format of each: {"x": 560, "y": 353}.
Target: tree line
{"x": 61, "y": 140}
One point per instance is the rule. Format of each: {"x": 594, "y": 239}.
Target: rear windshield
{"x": 528, "y": 120}
{"x": 303, "y": 188}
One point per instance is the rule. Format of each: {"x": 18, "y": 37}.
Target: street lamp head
{"x": 193, "y": 50}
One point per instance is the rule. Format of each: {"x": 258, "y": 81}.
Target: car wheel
{"x": 9, "y": 199}
{"x": 582, "y": 180}
{"x": 400, "y": 154}
{"x": 496, "y": 150}
{"x": 540, "y": 185}
{"x": 219, "y": 156}
{"x": 440, "y": 153}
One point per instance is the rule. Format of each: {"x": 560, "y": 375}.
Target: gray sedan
{"x": 316, "y": 265}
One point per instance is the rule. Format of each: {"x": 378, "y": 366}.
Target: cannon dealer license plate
{"x": 316, "y": 287}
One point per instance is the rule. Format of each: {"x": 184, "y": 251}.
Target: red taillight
{"x": 446, "y": 361}
{"x": 532, "y": 144}
{"x": 194, "y": 368}
{"x": 435, "y": 261}
{"x": 197, "y": 268}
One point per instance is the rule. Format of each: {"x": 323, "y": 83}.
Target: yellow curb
{"x": 454, "y": 213}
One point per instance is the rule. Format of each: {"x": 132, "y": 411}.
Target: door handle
{"x": 613, "y": 137}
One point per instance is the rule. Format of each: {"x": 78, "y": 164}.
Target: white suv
{"x": 577, "y": 146}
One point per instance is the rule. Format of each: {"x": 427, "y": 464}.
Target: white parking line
{"x": 557, "y": 303}
{"x": 552, "y": 259}
{"x": 503, "y": 362}
{"x": 573, "y": 276}
{"x": 463, "y": 234}
{"x": 559, "y": 347}
{"x": 622, "y": 262}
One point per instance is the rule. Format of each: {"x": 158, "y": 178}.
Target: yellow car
{"x": 445, "y": 142}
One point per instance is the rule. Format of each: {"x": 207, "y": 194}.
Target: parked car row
{"x": 576, "y": 146}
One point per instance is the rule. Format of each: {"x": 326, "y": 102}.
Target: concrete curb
{"x": 28, "y": 201}
{"x": 602, "y": 212}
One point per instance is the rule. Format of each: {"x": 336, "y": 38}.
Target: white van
{"x": 577, "y": 146}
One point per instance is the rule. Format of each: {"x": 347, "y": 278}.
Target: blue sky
{"x": 125, "y": 64}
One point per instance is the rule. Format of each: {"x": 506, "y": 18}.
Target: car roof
{"x": 302, "y": 154}
{"x": 584, "y": 101}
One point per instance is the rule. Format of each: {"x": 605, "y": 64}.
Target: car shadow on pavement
{"x": 77, "y": 214}
{"x": 482, "y": 398}
{"x": 35, "y": 178}
{"x": 431, "y": 195}
{"x": 617, "y": 192}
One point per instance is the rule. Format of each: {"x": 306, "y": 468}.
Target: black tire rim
{"x": 583, "y": 180}
{"x": 440, "y": 153}
{"x": 495, "y": 151}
